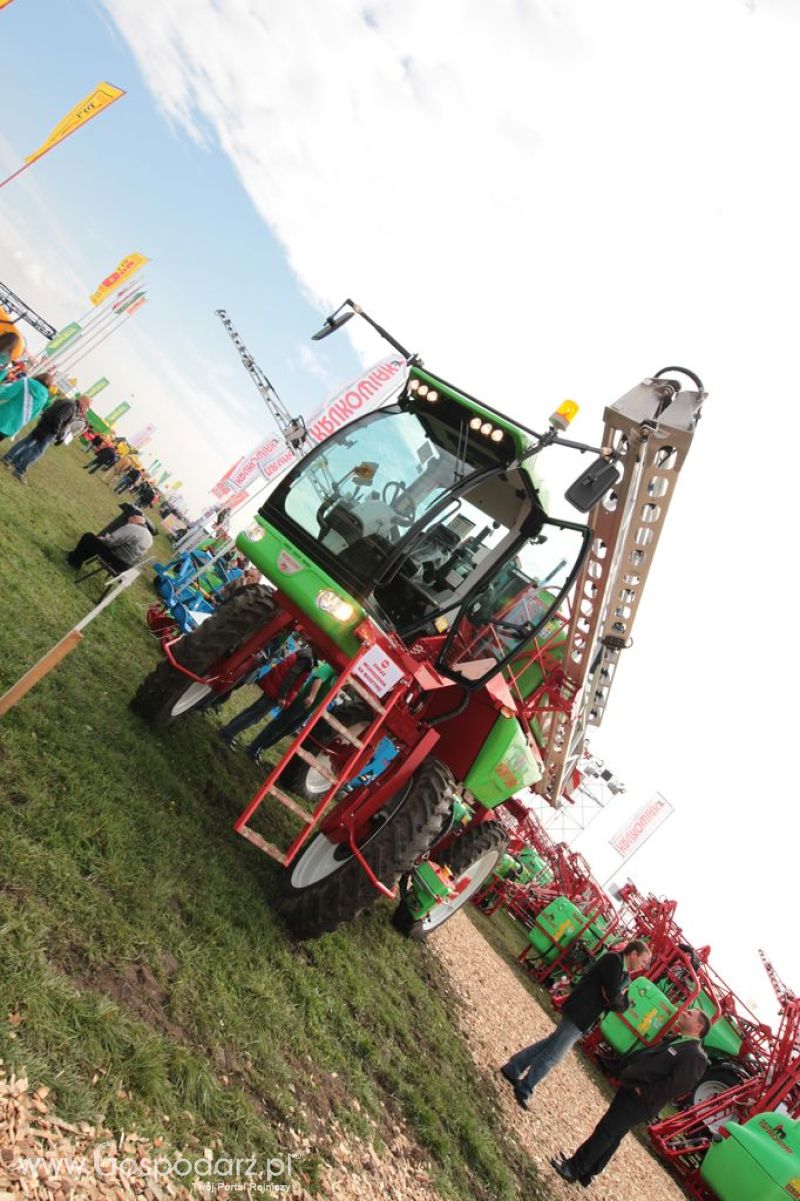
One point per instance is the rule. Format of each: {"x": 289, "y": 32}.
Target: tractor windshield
{"x": 353, "y": 500}
{"x": 412, "y": 507}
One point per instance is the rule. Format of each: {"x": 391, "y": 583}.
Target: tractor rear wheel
{"x": 326, "y": 886}
{"x": 167, "y": 693}
{"x": 471, "y": 858}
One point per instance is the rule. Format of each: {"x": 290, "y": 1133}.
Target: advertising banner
{"x": 116, "y": 413}
{"x": 125, "y": 302}
{"x": 144, "y": 435}
{"x": 123, "y": 271}
{"x": 269, "y": 458}
{"x": 370, "y": 390}
{"x": 63, "y": 338}
{"x": 102, "y": 96}
{"x": 247, "y": 469}
{"x": 96, "y": 387}
{"x": 639, "y": 828}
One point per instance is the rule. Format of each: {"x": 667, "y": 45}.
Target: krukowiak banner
{"x": 639, "y": 828}
{"x": 368, "y": 391}
{"x": 123, "y": 270}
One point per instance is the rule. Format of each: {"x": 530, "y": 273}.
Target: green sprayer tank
{"x": 648, "y": 1012}
{"x": 557, "y": 927}
{"x": 758, "y": 1161}
{"x": 535, "y": 869}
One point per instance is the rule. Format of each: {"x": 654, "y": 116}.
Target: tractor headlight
{"x": 331, "y": 603}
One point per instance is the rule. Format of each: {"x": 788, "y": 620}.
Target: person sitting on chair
{"x": 120, "y": 549}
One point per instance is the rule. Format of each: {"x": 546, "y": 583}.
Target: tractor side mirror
{"x": 592, "y": 485}
{"x": 333, "y": 323}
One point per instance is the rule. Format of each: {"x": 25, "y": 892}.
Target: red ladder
{"x": 363, "y": 746}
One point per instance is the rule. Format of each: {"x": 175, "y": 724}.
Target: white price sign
{"x": 378, "y": 671}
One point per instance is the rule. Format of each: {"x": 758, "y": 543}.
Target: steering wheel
{"x": 398, "y": 500}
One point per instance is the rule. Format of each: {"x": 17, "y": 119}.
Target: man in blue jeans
{"x": 603, "y": 987}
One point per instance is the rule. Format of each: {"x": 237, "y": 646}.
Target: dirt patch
{"x": 498, "y": 1016}
{"x": 137, "y": 990}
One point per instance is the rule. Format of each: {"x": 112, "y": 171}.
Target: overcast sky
{"x": 546, "y": 199}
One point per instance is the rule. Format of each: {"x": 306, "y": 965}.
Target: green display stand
{"x": 758, "y": 1161}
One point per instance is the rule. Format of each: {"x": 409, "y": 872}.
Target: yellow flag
{"x": 4, "y": 3}
{"x": 123, "y": 270}
{"x": 103, "y": 95}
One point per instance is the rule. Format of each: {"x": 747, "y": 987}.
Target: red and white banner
{"x": 272, "y": 456}
{"x": 370, "y": 390}
{"x": 639, "y": 828}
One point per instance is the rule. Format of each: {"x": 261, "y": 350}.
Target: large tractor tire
{"x": 474, "y": 855}
{"x": 326, "y": 886}
{"x": 166, "y": 693}
{"x": 330, "y": 749}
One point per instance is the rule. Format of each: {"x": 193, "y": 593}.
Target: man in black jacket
{"x": 603, "y": 987}
{"x": 50, "y": 428}
{"x": 650, "y": 1078}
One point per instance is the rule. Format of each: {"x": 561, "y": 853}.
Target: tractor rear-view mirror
{"x": 592, "y": 485}
{"x": 333, "y": 323}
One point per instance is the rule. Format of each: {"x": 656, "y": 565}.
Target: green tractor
{"x": 473, "y": 631}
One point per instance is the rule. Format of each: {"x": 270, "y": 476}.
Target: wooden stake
{"x": 46, "y": 664}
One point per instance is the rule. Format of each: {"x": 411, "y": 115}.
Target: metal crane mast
{"x": 650, "y": 432}
{"x": 18, "y": 308}
{"x": 293, "y": 429}
{"x": 781, "y": 990}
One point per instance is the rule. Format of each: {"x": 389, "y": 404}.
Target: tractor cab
{"x": 427, "y": 515}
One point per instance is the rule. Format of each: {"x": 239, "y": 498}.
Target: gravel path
{"x": 499, "y": 1017}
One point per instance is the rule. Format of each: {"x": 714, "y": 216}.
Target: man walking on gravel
{"x": 605, "y": 986}
{"x": 651, "y": 1077}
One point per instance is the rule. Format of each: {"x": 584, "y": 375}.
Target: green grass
{"x": 138, "y": 943}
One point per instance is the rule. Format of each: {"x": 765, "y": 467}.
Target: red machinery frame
{"x": 684, "y": 1138}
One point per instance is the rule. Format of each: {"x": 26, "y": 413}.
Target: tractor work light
{"x": 413, "y": 384}
{"x": 475, "y": 423}
{"x": 422, "y": 390}
{"x": 433, "y": 396}
{"x": 487, "y": 428}
{"x": 497, "y": 436}
{"x": 332, "y": 604}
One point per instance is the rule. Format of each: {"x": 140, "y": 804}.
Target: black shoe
{"x": 521, "y": 1098}
{"x": 563, "y": 1168}
{"x": 585, "y": 1181}
{"x": 509, "y": 1074}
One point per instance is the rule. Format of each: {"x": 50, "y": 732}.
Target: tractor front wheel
{"x": 471, "y": 858}
{"x": 326, "y": 886}
{"x": 167, "y": 693}
{"x": 331, "y": 751}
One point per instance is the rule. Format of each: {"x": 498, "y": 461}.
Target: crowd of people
{"x": 35, "y": 416}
